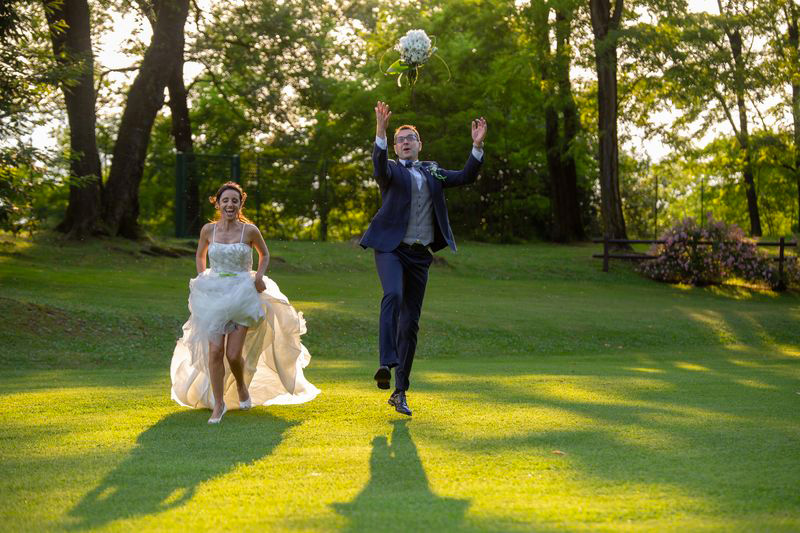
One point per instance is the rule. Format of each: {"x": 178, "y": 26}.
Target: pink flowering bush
{"x": 791, "y": 271}
{"x": 730, "y": 255}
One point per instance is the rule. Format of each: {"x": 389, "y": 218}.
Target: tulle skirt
{"x": 274, "y": 357}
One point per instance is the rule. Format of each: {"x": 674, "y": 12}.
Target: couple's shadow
{"x": 398, "y": 496}
{"x": 171, "y": 459}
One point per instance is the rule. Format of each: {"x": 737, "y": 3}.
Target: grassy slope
{"x": 672, "y": 408}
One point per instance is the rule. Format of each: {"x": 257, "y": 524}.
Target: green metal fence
{"x": 196, "y": 178}
{"x": 281, "y": 190}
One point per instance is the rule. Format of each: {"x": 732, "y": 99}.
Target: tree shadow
{"x": 398, "y": 496}
{"x": 677, "y": 427}
{"x": 171, "y": 459}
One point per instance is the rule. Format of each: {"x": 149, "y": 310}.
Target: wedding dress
{"x": 221, "y": 297}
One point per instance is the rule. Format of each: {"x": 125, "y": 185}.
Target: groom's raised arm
{"x": 380, "y": 152}
{"x": 468, "y": 174}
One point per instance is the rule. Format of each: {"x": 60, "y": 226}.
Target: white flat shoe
{"x": 245, "y": 405}
{"x": 217, "y": 420}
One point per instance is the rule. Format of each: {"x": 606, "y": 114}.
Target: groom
{"x": 411, "y": 224}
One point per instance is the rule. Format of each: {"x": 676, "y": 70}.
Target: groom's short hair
{"x": 407, "y": 127}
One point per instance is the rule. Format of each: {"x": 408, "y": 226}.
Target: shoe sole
{"x": 382, "y": 377}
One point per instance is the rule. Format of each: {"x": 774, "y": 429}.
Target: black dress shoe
{"x": 383, "y": 376}
{"x": 398, "y": 401}
{"x": 393, "y": 397}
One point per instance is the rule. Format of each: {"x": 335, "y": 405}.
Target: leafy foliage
{"x": 27, "y": 77}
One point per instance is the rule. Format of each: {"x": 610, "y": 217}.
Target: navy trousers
{"x": 404, "y": 274}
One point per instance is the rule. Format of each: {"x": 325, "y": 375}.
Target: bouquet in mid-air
{"x": 415, "y": 49}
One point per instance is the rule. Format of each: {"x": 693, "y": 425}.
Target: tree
{"x": 27, "y": 75}
{"x": 606, "y": 28}
{"x": 72, "y": 47}
{"x": 491, "y": 60}
{"x": 144, "y": 99}
{"x": 709, "y": 67}
{"x": 181, "y": 130}
{"x": 562, "y": 122}
{"x": 793, "y": 39}
{"x": 786, "y": 45}
{"x": 733, "y": 31}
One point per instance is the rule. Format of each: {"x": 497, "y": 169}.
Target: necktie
{"x": 415, "y": 164}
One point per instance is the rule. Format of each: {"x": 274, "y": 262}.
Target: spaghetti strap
{"x": 241, "y": 239}
{"x": 214, "y": 235}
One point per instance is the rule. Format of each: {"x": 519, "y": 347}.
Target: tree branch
{"x": 617, "y": 15}
{"x": 758, "y": 111}
{"x": 721, "y": 99}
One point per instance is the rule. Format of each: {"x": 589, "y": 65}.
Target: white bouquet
{"x": 415, "y": 49}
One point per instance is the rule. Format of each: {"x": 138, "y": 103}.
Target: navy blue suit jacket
{"x": 388, "y": 226}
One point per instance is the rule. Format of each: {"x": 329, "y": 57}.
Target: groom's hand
{"x": 478, "y": 132}
{"x": 382, "y": 115}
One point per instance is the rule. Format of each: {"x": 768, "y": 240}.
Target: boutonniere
{"x": 433, "y": 168}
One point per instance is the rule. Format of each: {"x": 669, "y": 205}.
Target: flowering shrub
{"x": 791, "y": 271}
{"x": 730, "y": 255}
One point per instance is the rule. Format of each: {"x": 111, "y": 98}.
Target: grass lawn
{"x": 547, "y": 396}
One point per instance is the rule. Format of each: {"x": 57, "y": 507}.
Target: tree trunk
{"x": 794, "y": 53}
{"x": 570, "y": 210}
{"x": 182, "y": 134}
{"x": 145, "y": 98}
{"x": 604, "y": 25}
{"x": 324, "y": 203}
{"x": 735, "y": 38}
{"x": 552, "y": 144}
{"x": 73, "y": 47}
{"x": 561, "y": 123}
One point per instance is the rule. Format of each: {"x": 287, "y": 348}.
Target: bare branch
{"x": 758, "y": 111}
{"x": 721, "y": 99}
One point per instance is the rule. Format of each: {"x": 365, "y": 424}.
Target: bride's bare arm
{"x": 202, "y": 248}
{"x": 257, "y": 242}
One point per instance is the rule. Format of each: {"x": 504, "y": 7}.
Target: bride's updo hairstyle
{"x": 242, "y": 197}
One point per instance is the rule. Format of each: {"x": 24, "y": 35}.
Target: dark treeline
{"x": 290, "y": 86}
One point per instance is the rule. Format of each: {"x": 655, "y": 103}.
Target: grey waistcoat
{"x": 420, "y": 221}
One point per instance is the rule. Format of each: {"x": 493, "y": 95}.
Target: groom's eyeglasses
{"x": 410, "y": 138}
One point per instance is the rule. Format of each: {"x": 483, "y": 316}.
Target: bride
{"x": 241, "y": 345}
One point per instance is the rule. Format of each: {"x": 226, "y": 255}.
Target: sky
{"x": 110, "y": 56}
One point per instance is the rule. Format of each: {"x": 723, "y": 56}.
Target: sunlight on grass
{"x": 683, "y": 365}
{"x": 615, "y": 394}
{"x": 755, "y": 384}
{"x": 745, "y": 363}
{"x": 176, "y": 496}
{"x": 523, "y": 418}
{"x": 645, "y": 370}
{"x": 715, "y": 323}
{"x": 788, "y": 350}
{"x": 479, "y": 442}
{"x": 305, "y": 305}
{"x": 743, "y": 289}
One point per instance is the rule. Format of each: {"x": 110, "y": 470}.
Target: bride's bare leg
{"x": 216, "y": 369}
{"x": 235, "y": 360}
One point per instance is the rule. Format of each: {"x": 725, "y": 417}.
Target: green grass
{"x": 547, "y": 396}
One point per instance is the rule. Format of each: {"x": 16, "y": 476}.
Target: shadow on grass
{"x": 716, "y": 431}
{"x": 397, "y": 496}
{"x": 171, "y": 459}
